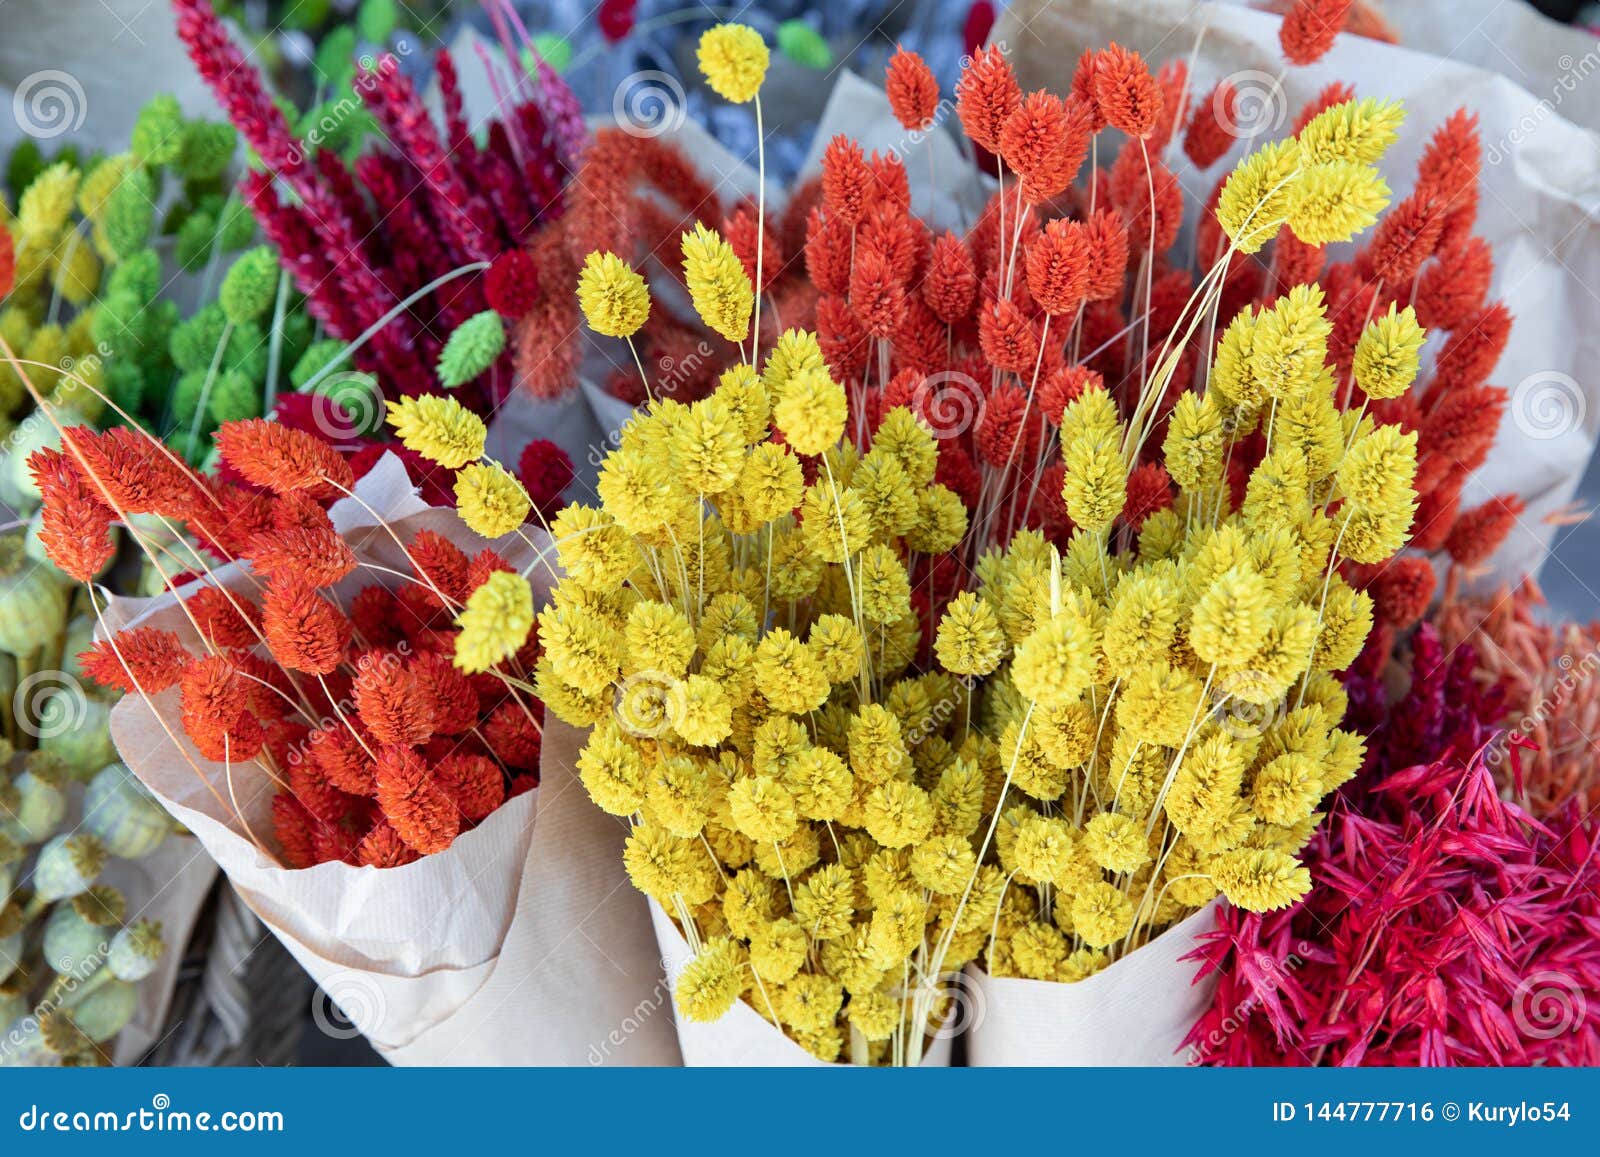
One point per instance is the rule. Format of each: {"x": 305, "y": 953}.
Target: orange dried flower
{"x": 282, "y": 459}
{"x": 1008, "y": 338}
{"x": 1125, "y": 93}
{"x": 876, "y": 295}
{"x": 320, "y": 557}
{"x": 951, "y": 285}
{"x": 846, "y": 181}
{"x": 843, "y": 341}
{"x": 1083, "y": 89}
{"x": 1404, "y": 239}
{"x": 1002, "y": 438}
{"x": 1336, "y": 93}
{"x": 1058, "y": 267}
{"x": 341, "y": 758}
{"x": 986, "y": 96}
{"x": 1045, "y": 141}
{"x": 1211, "y": 132}
{"x": 893, "y": 235}
{"x": 294, "y": 827}
{"x": 1458, "y": 433}
{"x": 74, "y": 524}
{"x": 136, "y": 659}
{"x": 441, "y": 565}
{"x": 891, "y": 186}
{"x": 1135, "y": 189}
{"x": 828, "y": 252}
{"x": 304, "y": 631}
{"x": 455, "y": 702}
{"x": 912, "y": 90}
{"x": 1108, "y": 255}
{"x": 1437, "y": 508}
{"x": 210, "y": 703}
{"x": 421, "y": 812}
{"x": 395, "y": 707}
{"x": 474, "y": 782}
{"x": 1402, "y": 590}
{"x": 1062, "y": 388}
{"x": 1474, "y": 348}
{"x": 1294, "y": 262}
{"x": 1454, "y": 286}
{"x": 1309, "y": 28}
{"x": 740, "y": 231}
{"x": 316, "y": 794}
{"x": 1478, "y": 532}
{"x": 382, "y": 847}
{"x": 512, "y": 736}
{"x": 1450, "y": 164}
{"x": 133, "y": 472}
{"x": 225, "y": 618}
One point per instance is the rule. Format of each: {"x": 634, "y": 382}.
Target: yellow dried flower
{"x": 1335, "y": 200}
{"x": 834, "y": 523}
{"x": 943, "y": 863}
{"x": 1101, "y": 915}
{"x": 1231, "y": 619}
{"x": 969, "y": 640}
{"x": 1260, "y": 881}
{"x": 1115, "y": 842}
{"x": 612, "y": 771}
{"x": 712, "y": 981}
{"x": 1357, "y": 131}
{"x": 777, "y": 950}
{"x": 897, "y": 813}
{"x": 788, "y": 675}
{"x": 824, "y": 903}
{"x": 614, "y": 298}
{"x": 700, "y": 711}
{"x": 1387, "y": 355}
{"x": 708, "y": 449}
{"x": 811, "y": 413}
{"x": 1195, "y": 442}
{"x": 718, "y": 284}
{"x": 495, "y": 622}
{"x": 490, "y": 500}
{"x": 763, "y": 809}
{"x": 836, "y": 642}
{"x": 1056, "y": 663}
{"x": 874, "y": 1015}
{"x": 796, "y": 352}
{"x": 733, "y": 59}
{"x": 439, "y": 428}
{"x": 1255, "y": 200}
{"x": 1094, "y": 484}
{"x": 1287, "y": 789}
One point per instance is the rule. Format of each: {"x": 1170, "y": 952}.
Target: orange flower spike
{"x": 75, "y": 525}
{"x": 294, "y": 827}
{"x": 474, "y": 782}
{"x": 1045, "y": 141}
{"x": 440, "y": 563}
{"x": 132, "y": 471}
{"x": 913, "y": 92}
{"x": 1404, "y": 239}
{"x": 1149, "y": 490}
{"x": 1478, "y": 532}
{"x": 1173, "y": 81}
{"x": 740, "y": 232}
{"x": 1062, "y": 388}
{"x": 1452, "y": 161}
{"x": 846, "y": 181}
{"x": 342, "y": 759}
{"x": 1058, "y": 267}
{"x": 1472, "y": 352}
{"x": 483, "y": 564}
{"x": 1108, "y": 255}
{"x": 318, "y": 557}
{"x": 891, "y": 185}
{"x": 1309, "y": 28}
{"x": 137, "y": 659}
{"x": 986, "y": 96}
{"x": 284, "y": 460}
{"x": 382, "y": 847}
{"x": 1454, "y": 287}
{"x": 828, "y": 252}
{"x": 455, "y": 701}
{"x": 1125, "y": 92}
{"x": 1402, "y": 590}
{"x": 304, "y": 631}
{"x": 1083, "y": 89}
{"x": 317, "y": 794}
{"x": 513, "y": 738}
{"x": 394, "y": 705}
{"x": 843, "y": 341}
{"x": 1213, "y": 129}
{"x": 876, "y": 296}
{"x": 210, "y": 701}
{"x": 1008, "y": 338}
{"x": 224, "y": 618}
{"x": 951, "y": 285}
{"x": 421, "y": 812}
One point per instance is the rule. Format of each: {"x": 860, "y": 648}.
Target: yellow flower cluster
{"x": 1103, "y": 739}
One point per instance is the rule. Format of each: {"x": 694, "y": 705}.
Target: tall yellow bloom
{"x": 495, "y": 622}
{"x": 733, "y": 58}
{"x": 717, "y": 283}
{"x": 614, "y": 298}
{"x": 441, "y": 429}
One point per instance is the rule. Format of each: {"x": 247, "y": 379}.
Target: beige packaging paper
{"x": 741, "y": 1038}
{"x": 1134, "y": 1013}
{"x": 1540, "y": 184}
{"x": 403, "y": 951}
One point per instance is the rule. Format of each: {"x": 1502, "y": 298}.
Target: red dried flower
{"x": 1149, "y": 490}
{"x": 1294, "y": 262}
{"x": 1045, "y": 141}
{"x": 1335, "y": 93}
{"x": 395, "y": 706}
{"x": 1058, "y": 267}
{"x": 341, "y": 758}
{"x": 1124, "y": 91}
{"x": 1454, "y": 286}
{"x": 1402, "y": 590}
{"x": 294, "y": 826}
{"x": 474, "y": 782}
{"x": 951, "y": 285}
{"x": 443, "y": 568}
{"x": 913, "y": 92}
{"x": 1001, "y": 436}
{"x": 1309, "y": 28}
{"x": 1173, "y": 81}
{"x": 739, "y": 231}
{"x": 137, "y": 659}
{"x": 320, "y": 557}
{"x": 382, "y": 847}
{"x": 1008, "y": 339}
{"x": 877, "y": 297}
{"x": 317, "y": 795}
{"x": 210, "y": 704}
{"x": 1459, "y": 431}
{"x": 843, "y": 341}
{"x": 1062, "y": 388}
{"x": 455, "y": 702}
{"x": 421, "y": 812}
{"x": 1450, "y": 164}
{"x": 1478, "y": 532}
{"x": 546, "y": 471}
{"x": 986, "y": 96}
{"x": 1108, "y": 255}
{"x": 828, "y": 252}
{"x": 1136, "y": 189}
{"x": 74, "y": 524}
{"x": 131, "y": 471}
{"x": 225, "y": 618}
{"x": 846, "y": 181}
{"x": 1405, "y": 237}
{"x": 1437, "y": 507}
{"x": 284, "y": 460}
{"x": 304, "y": 631}
{"x": 511, "y": 284}
{"x": 512, "y": 732}
{"x": 958, "y": 472}
{"x": 1474, "y": 348}
{"x": 1213, "y": 129}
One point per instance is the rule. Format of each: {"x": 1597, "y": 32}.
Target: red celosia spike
{"x": 137, "y": 659}
{"x": 294, "y": 825}
{"x": 1062, "y": 388}
{"x": 395, "y": 707}
{"x": 1058, "y": 267}
{"x": 423, "y": 815}
{"x": 1001, "y": 436}
{"x": 891, "y": 185}
{"x": 283, "y": 460}
{"x": 1478, "y": 532}
{"x": 1045, "y": 141}
{"x": 1454, "y": 286}
{"x": 441, "y": 566}
{"x": 1083, "y": 88}
{"x": 1402, "y": 590}
{"x": 951, "y": 285}
{"x": 986, "y": 95}
{"x": 513, "y": 736}
{"x": 1451, "y": 162}
{"x": 1474, "y": 348}
{"x": 1336, "y": 93}
{"x": 1309, "y": 28}
{"x": 1437, "y": 508}
{"x": 913, "y": 92}
{"x": 546, "y": 471}
{"x": 74, "y": 524}
{"x": 843, "y": 340}
{"x": 455, "y": 701}
{"x": 224, "y": 618}
{"x": 382, "y": 847}
{"x": 1404, "y": 239}
{"x": 318, "y": 557}
{"x": 1149, "y": 490}
{"x": 341, "y": 758}
{"x": 904, "y": 389}
{"x": 828, "y": 252}
{"x": 132, "y": 471}
{"x": 474, "y": 782}
{"x": 1213, "y": 129}
{"x": 1108, "y": 255}
{"x": 740, "y": 232}
{"x": 877, "y": 297}
{"x": 511, "y": 284}
{"x": 1294, "y": 262}
{"x": 846, "y": 181}
{"x": 304, "y": 631}
{"x": 1173, "y": 81}
{"x": 957, "y": 471}
{"x": 1125, "y": 92}
{"x": 1009, "y": 340}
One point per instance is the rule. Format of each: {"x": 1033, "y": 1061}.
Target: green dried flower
{"x": 251, "y": 285}
{"x": 207, "y": 149}
{"x": 158, "y": 133}
{"x": 472, "y": 349}
{"x": 234, "y": 397}
{"x": 130, "y": 213}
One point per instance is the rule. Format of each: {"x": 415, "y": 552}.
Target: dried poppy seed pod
{"x": 135, "y": 951}
{"x": 36, "y": 811}
{"x": 33, "y": 605}
{"x": 67, "y": 866}
{"x": 74, "y": 947}
{"x": 125, "y": 816}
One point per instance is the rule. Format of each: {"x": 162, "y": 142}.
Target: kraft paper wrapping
{"x": 741, "y": 1039}
{"x": 490, "y": 952}
{"x": 1540, "y": 203}
{"x": 1135, "y": 1013}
